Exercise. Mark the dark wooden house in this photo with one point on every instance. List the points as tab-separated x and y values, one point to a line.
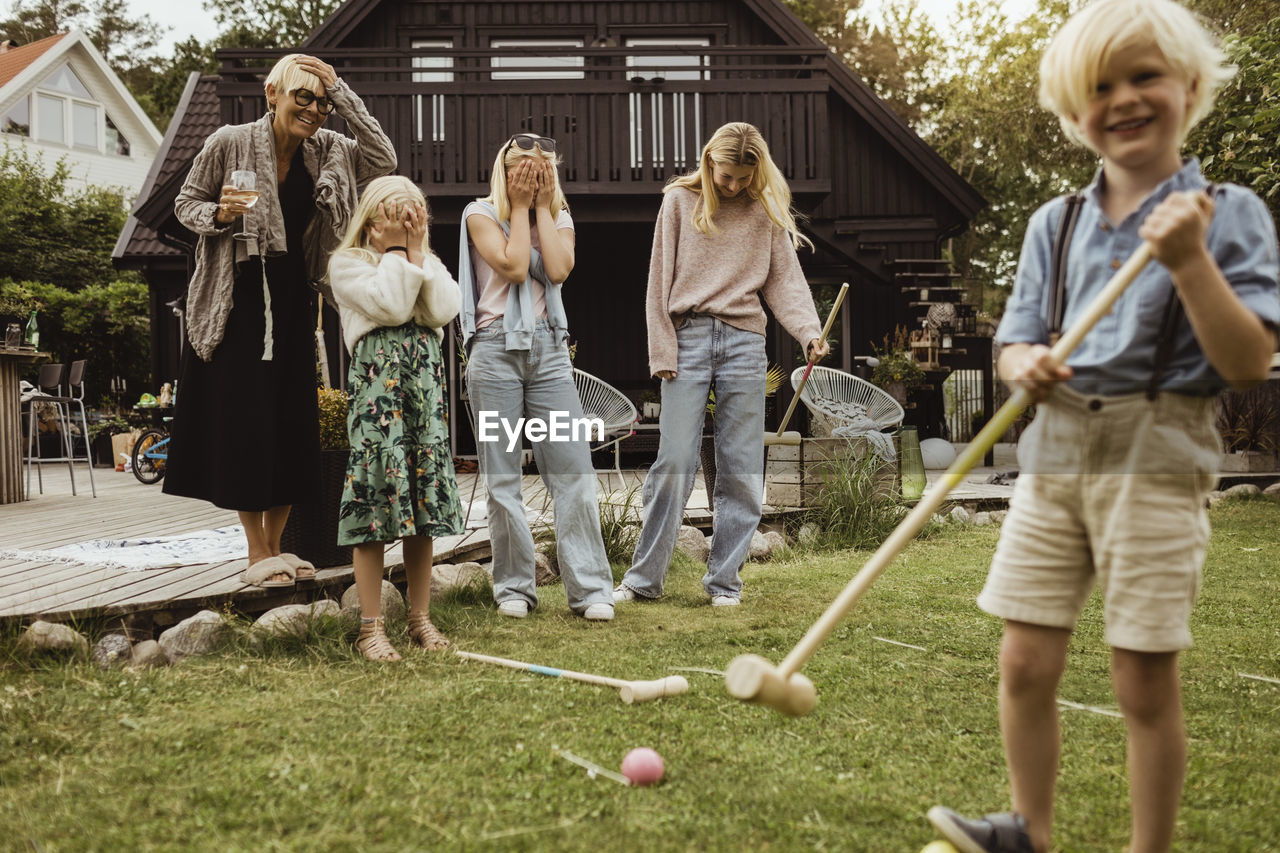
630	90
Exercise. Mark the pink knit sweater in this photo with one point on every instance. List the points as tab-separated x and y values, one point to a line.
723	274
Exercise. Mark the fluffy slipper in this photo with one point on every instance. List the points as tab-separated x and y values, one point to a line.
257	574
303	570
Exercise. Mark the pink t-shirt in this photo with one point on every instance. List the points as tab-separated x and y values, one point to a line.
493	288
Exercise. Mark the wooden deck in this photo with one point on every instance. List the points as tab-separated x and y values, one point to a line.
154	598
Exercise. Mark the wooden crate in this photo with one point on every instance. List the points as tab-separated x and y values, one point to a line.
795	474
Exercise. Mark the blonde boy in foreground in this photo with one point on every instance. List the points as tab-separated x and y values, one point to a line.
1123	448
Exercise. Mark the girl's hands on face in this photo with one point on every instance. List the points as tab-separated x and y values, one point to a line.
546	184
522	183
390	228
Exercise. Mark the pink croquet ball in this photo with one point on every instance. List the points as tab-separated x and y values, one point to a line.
642	765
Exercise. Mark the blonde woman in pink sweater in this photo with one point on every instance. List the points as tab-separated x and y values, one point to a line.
726	237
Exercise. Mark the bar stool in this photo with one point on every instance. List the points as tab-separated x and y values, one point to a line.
75	393
49	385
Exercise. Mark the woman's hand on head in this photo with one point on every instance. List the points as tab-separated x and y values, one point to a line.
328	76
522	183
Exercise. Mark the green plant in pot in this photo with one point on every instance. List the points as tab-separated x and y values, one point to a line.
312	529
898	372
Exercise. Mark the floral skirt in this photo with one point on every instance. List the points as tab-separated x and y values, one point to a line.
400	479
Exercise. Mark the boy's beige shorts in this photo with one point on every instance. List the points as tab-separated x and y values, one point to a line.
1111	491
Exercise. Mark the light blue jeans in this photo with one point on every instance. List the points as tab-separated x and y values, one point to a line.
732	362
531	384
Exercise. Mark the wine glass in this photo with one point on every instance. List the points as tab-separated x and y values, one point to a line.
245	184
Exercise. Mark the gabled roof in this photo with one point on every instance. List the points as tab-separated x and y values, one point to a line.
194	119
44	57
14	60
848	85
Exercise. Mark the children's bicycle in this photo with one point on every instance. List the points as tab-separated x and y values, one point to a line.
151	455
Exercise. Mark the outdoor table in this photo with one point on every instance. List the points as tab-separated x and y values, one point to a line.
12	362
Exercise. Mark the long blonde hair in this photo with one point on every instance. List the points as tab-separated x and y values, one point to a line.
508	156
740	144
391	191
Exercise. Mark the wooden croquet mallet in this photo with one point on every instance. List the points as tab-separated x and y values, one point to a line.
753	679
793	437
630	691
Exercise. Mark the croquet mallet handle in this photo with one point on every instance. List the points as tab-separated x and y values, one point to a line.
977	448
831	319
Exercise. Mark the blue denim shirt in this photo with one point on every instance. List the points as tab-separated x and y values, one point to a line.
1118	355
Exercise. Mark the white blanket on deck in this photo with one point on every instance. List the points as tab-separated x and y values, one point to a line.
153	552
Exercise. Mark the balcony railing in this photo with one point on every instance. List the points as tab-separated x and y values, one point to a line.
625	119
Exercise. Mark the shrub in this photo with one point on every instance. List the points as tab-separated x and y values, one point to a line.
857	506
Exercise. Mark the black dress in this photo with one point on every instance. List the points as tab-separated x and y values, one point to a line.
246	431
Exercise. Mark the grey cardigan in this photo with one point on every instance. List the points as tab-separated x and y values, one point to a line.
339	166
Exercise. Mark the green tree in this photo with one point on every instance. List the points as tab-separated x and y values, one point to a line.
51	233
268	23
1237	141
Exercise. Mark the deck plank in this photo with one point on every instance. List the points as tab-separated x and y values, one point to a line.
125	508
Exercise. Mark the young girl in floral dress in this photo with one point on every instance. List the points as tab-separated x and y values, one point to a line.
393	296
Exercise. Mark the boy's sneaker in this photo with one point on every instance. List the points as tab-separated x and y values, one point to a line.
724	601
516	608
598	613
1003	832
623	594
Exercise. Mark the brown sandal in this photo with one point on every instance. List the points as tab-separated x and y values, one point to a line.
372	640
425	634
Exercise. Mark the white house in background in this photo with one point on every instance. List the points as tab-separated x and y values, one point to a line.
60	99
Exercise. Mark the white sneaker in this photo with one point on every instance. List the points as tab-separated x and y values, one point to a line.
516	608
724	601
599	613
622	594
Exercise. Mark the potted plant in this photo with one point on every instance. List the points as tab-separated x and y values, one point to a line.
898	372
1249	423
312	529
101	433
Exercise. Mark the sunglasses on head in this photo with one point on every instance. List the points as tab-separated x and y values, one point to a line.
526	141
306	97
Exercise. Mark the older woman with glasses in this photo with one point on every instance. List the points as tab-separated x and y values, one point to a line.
268	201
515	252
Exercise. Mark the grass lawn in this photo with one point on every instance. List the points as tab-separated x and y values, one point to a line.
306	746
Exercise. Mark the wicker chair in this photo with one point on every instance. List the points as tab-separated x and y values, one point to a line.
832	395
601	400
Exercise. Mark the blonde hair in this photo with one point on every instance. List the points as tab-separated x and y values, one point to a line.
391	191
1080	52
740	144
508	156
287	76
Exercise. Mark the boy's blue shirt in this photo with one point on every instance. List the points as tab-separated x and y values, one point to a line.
1118	355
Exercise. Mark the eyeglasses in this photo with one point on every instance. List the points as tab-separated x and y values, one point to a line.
526	141
306	97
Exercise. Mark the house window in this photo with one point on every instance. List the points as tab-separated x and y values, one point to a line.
65	80
554	67
18	119
84	125
431	105
648	116
50	118
116	142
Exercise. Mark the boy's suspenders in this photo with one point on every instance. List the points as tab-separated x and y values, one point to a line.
1058	252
